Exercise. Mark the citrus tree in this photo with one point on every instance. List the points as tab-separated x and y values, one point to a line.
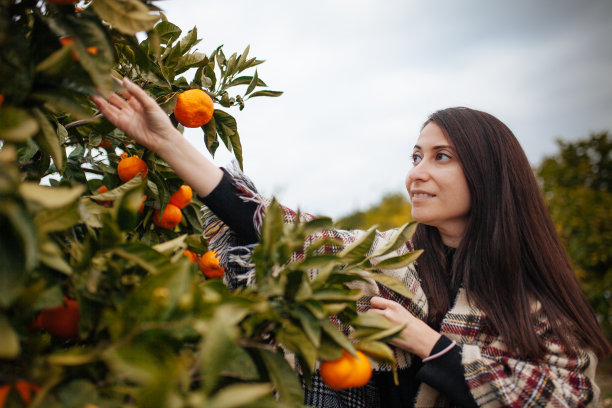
108	293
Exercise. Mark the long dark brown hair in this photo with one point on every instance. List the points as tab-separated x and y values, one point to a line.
510	253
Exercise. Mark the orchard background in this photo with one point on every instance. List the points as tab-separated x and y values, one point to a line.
100	305
144	327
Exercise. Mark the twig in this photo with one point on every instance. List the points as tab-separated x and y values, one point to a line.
82	122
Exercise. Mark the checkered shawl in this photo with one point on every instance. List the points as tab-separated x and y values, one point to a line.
495	376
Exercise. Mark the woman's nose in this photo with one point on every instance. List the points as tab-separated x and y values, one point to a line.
420	172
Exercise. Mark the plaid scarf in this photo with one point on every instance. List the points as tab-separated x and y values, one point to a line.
494	375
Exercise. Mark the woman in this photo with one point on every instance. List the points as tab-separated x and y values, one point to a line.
497	317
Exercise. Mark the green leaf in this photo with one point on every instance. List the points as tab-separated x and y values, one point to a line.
127	210
383	335
210	136
56	63
239	395
219	344
169	247
403	234
17	125
57	219
245	80
337	336
18	250
242	59
61	102
189	40
283	377
74	357
9	341
231	65
52	256
163	194
398	261
142	255
336	295
372	320
357	250
49	142
167	32
127	16
392	283
310	324
377	350
253	84
240	364
188	61
294	339
50	197
265	93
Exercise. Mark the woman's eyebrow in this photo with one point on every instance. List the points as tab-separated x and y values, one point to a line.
436	147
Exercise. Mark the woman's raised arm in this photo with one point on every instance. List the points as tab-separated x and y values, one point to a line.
140	117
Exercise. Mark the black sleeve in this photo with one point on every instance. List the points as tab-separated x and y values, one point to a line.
445	374
224	201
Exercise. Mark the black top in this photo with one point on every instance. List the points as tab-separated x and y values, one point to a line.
444	373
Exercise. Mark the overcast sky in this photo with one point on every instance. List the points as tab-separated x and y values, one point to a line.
359	78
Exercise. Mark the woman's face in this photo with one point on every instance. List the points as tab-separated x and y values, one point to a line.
437	186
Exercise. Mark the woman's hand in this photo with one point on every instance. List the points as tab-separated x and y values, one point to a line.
139	116
416	337
142	119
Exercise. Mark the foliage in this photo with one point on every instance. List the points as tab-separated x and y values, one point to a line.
577	183
152	330
392	211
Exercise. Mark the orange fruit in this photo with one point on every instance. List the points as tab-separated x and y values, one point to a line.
62	321
194	108
4	392
347	371
69	40
182	197
1	99
142	204
25	388
104	144
192	256
35	326
104	203
130	166
209	265
170	218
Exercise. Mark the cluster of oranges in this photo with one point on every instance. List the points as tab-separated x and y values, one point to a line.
172	214
208	263
128	168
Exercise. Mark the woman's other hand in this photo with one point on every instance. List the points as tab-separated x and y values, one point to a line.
416	337
138	115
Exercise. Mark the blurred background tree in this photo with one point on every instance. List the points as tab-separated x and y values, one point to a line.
577	184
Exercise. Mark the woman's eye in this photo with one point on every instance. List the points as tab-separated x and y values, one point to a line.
416	158
443	157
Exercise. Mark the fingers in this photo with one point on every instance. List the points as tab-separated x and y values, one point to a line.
118	101
108	110
381	303
139	93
